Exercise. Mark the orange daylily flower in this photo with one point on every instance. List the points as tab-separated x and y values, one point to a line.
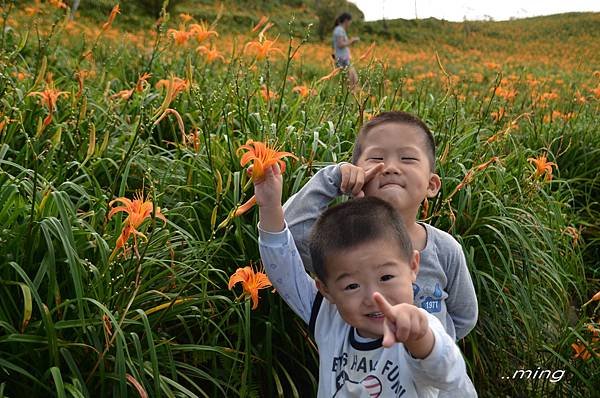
499	114
174	86
21	75
139	87
579	98
137	211
581	351
201	31
211	54
251	281
111	17
542	166
303	91
58	4
506	93
548	96
185	17
49	98
267	94
491	65
262	157
123	94
179	36
30	11
263	49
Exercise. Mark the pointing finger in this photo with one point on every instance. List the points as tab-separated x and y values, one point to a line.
384	306
389	335
373	171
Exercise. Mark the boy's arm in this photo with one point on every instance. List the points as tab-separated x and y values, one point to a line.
462	301
286	272
303	208
444	368
277	250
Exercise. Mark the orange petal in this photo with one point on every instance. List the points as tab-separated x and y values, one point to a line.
240	275
245	207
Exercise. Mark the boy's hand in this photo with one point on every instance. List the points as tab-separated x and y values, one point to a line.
354	178
405	323
267	192
268	189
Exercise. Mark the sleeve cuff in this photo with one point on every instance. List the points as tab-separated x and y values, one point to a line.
274	238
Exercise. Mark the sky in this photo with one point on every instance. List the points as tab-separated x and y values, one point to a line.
471	9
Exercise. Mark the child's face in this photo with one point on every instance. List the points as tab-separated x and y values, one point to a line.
355	274
406	179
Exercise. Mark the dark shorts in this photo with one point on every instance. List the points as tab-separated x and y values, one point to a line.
342	63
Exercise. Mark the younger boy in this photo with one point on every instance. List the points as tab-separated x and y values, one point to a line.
394	159
372	341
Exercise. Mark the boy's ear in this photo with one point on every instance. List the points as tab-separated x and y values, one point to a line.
415	259
323	290
434	185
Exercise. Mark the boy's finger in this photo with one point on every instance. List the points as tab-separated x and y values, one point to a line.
345	177
360	194
373	171
384	306
276	169
389	337
359	182
352	181
249	170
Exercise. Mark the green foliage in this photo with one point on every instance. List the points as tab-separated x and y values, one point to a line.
74	321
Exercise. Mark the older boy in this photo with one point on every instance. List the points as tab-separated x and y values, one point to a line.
394	159
372	341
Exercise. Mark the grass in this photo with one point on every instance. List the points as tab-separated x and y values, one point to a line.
74	322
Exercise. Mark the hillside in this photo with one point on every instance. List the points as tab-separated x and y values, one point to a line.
556	37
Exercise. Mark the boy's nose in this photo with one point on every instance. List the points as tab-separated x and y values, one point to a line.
391	168
367	299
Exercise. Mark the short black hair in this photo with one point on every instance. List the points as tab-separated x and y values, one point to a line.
395	117
345	16
352	223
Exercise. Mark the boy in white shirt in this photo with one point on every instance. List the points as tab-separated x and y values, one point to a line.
372	340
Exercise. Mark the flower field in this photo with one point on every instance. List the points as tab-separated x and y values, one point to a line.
129	262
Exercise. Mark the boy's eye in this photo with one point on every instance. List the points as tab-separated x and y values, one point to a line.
386	277
406	158
351	286
373	158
